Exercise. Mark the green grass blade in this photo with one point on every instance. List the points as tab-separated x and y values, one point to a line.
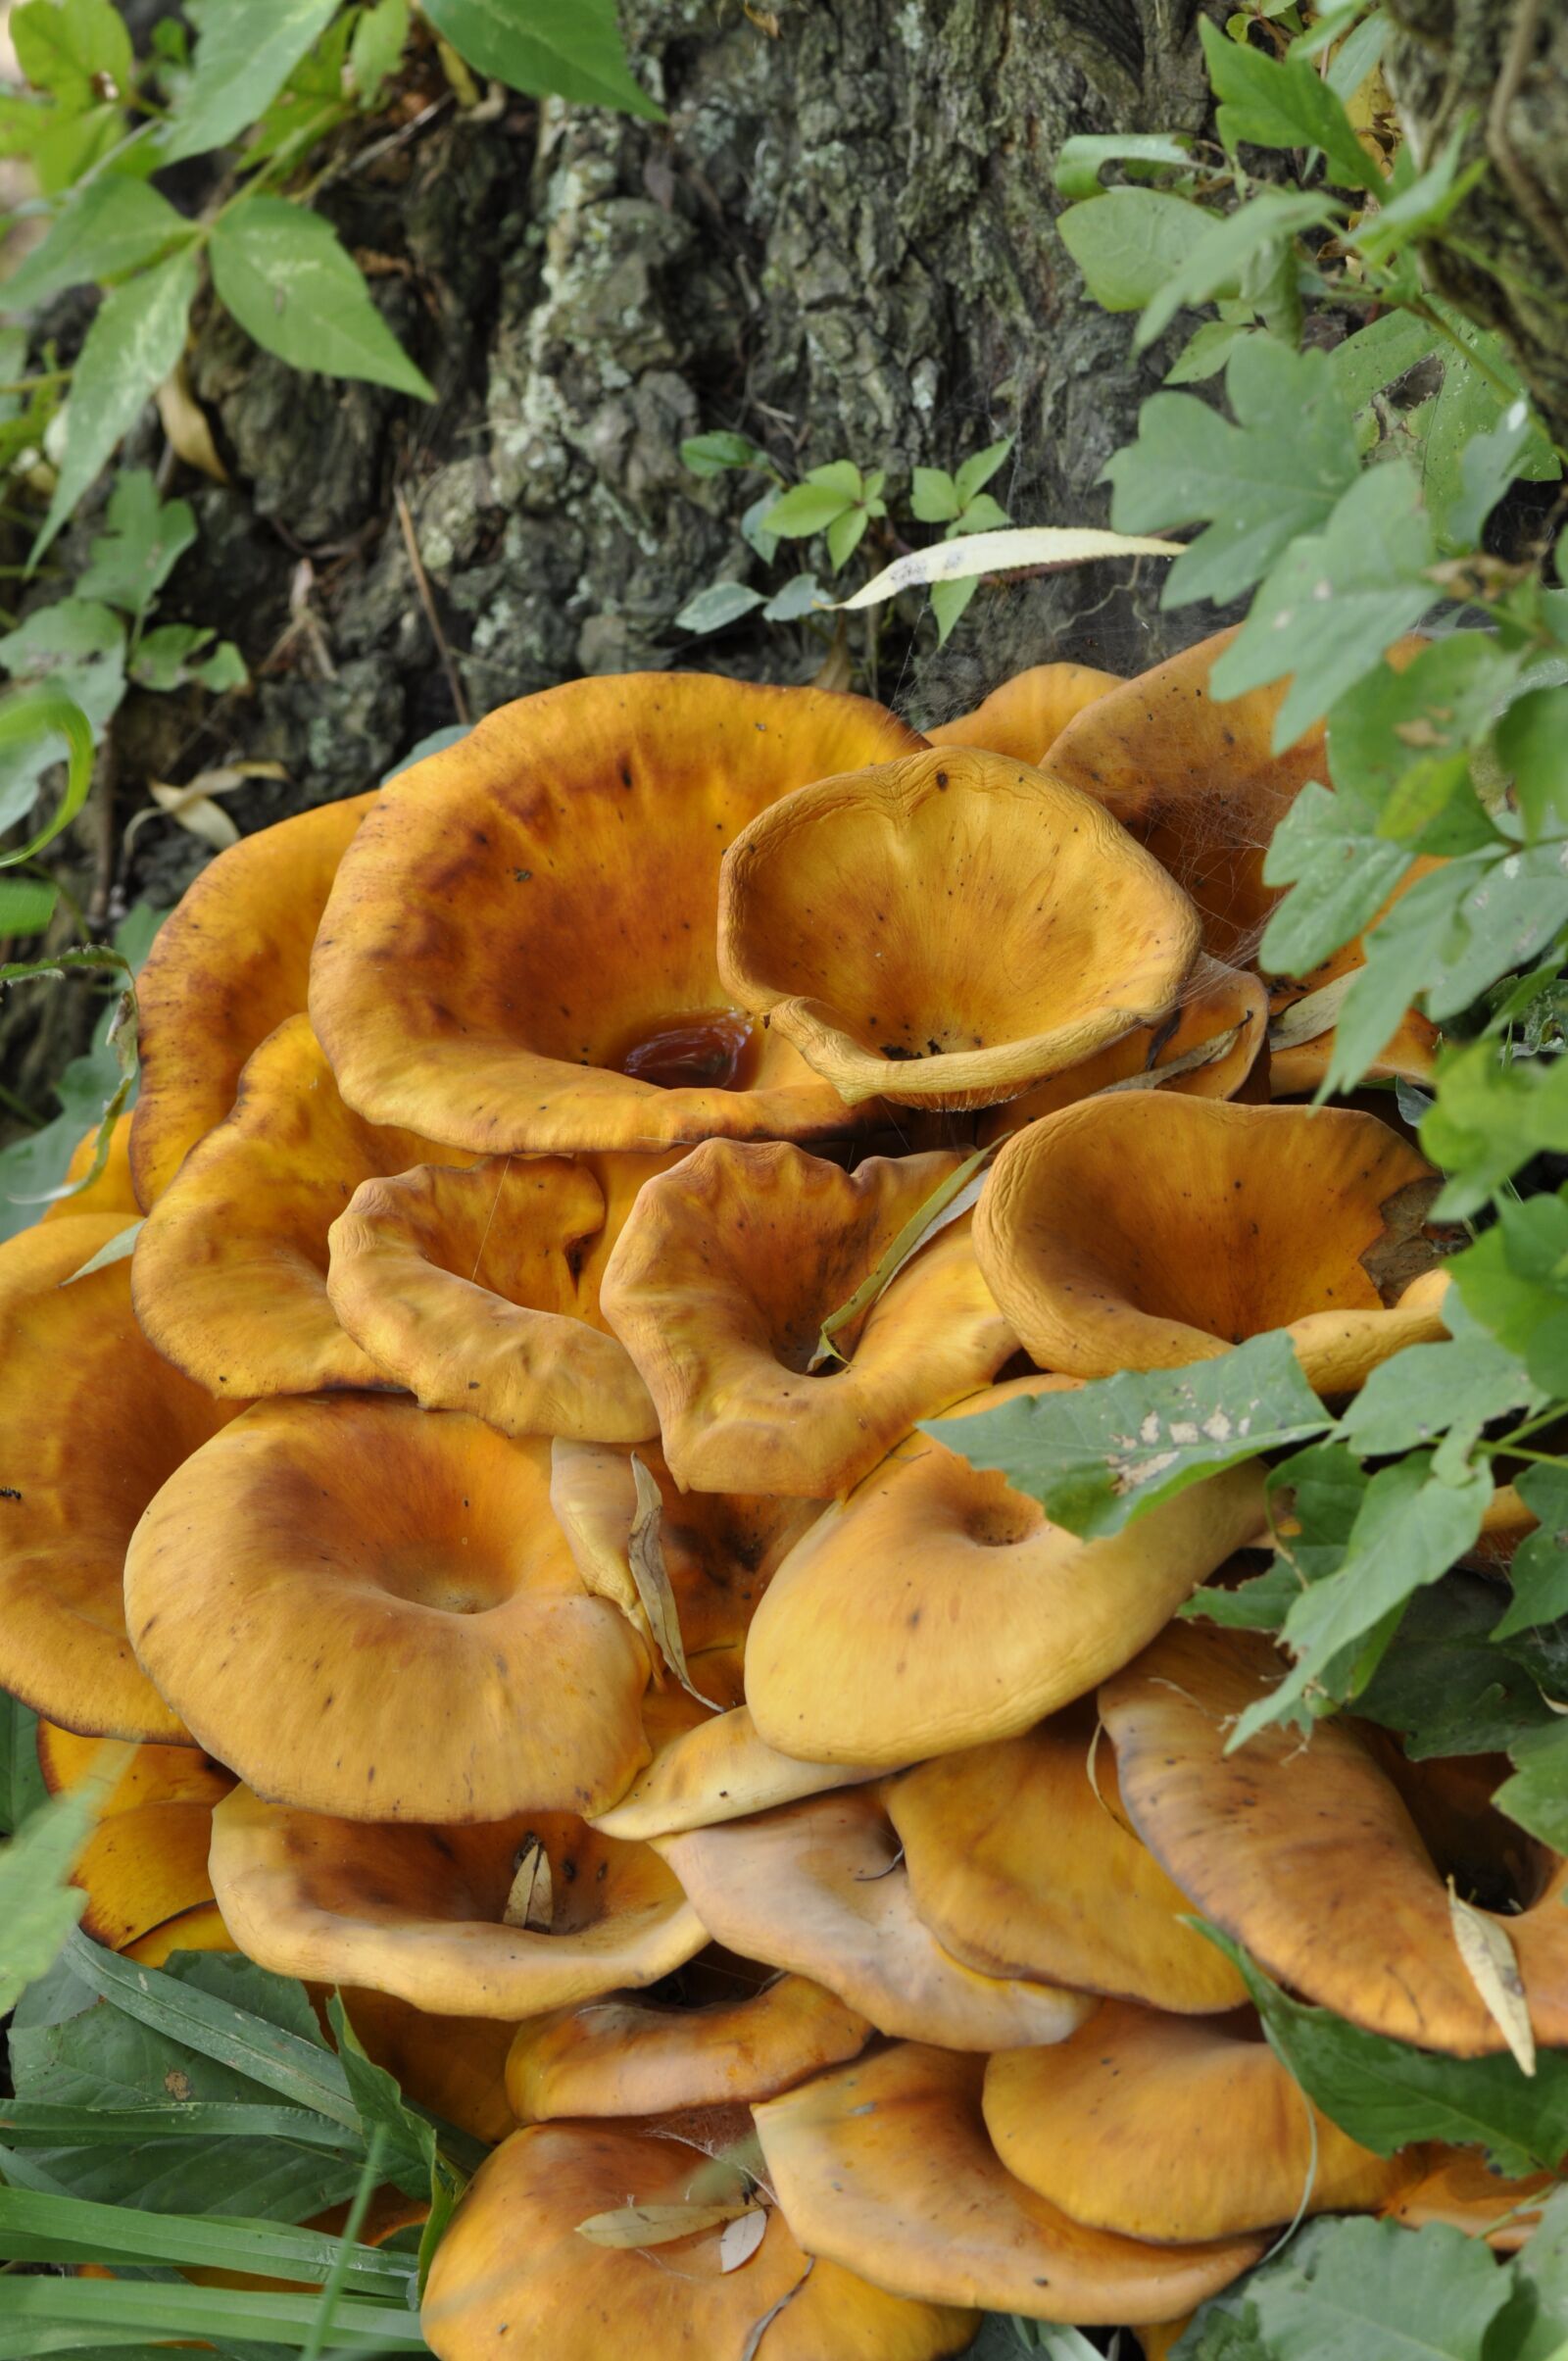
36	2227
39	2124
96	2305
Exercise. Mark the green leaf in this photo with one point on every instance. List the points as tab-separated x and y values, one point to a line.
1081	160
1491	1117
1357	57
161	662
1388	2094
143	541
718	604
809	508
979	467
712	453
1228	248
1489	464
1423	205
1449	1686
77	49
568	48
409	2142
934	496
1280	103
949	599
45	2124
1189	463
186	2312
38	719
376	50
1537	1795
800	595
37	1908
26	904
1381	354
78	648
1427	1390
1107	1454
113	225
245	52
1514	1283
36	2227
22	1787
1369	2287
1326	849
845	535
1206	351
982	514
1429	712
295	289
1531	740
1333	602
1539	1570
132	344
1129	241
1469	405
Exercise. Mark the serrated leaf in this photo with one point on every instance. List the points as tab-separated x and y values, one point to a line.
1045	547
1369	2287
1537	1795
1492	1116
1427	1390
1230	247
568	48
1109	1453
718	605
1341	871
300	294
1274	102
1514	1283
112	226
245	52
1129	241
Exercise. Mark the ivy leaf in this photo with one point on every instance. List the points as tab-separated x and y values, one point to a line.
1388	2094
296	290
1539	1570
144	540
1107	1454
1280	103
132	344
78	50
718	605
1230	247
568	48
1366	2287
245	52
113	225
1537	1795
1128	242
1342	871
1189	464
1333	602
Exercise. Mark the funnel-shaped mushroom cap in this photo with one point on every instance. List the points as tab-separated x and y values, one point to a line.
1027	714
1019	1866
936	1607
949	929
885	2165
518	952
1461	2192
623	2058
428	1646
145	1859
512	2274
1209	1047
1309	1857
718	1770
91	1423
230	1270
719	1549
720	1287
229	964
112	1191
479	1290
1146	1231
1175	2130
420	1913
817	1888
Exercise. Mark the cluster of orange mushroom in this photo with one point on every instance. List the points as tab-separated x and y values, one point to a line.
494	1494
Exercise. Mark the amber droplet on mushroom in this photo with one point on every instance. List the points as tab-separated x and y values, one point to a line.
504	1920
720	1285
91	1423
1027	714
1309	1857
479	1290
1146	1231
514	2274
1020	1865
1176	2129
936	1607
230	1269
885	2164
520	954
226	967
949	929
371	1612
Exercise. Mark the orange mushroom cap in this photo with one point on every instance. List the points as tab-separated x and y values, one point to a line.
225	968
1146	1231
479	1290
519	947
428	1647
624	2058
512	2274
91	1423
936	1607
230	1269
885	2165
947	929
1020	1866
720	1284
112	1191
1027	714
1309	1857
420	1912
456	2066
144	1862
1460	2191
718	1769
817	1888
1176	2129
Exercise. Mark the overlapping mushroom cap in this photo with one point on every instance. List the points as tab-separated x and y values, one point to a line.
1146	1231
431	1651
93	1422
719	1286
518	954
1309	1857
947	929
1027	714
144	1862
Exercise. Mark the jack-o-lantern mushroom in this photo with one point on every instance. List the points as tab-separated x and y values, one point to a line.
111	1192
1309	1857
948	930
479	1290
717	1769
518	951
1148	1231
885	2166
720	1287
144	1862
91	1424
1026	715
937	1608
430	1652
225	969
